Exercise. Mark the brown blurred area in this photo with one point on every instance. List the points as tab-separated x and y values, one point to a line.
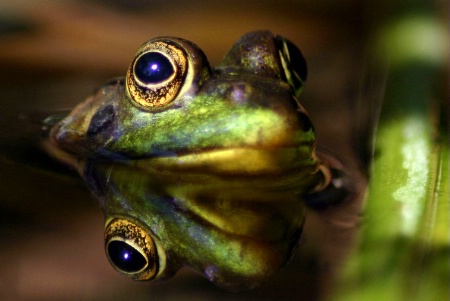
55	53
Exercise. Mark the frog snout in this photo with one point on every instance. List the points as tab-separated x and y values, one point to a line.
80	132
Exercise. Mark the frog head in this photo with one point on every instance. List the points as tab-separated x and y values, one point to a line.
198	166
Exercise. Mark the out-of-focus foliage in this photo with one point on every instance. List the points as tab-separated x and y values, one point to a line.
404	249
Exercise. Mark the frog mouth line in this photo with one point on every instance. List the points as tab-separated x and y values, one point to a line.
232	161
236	159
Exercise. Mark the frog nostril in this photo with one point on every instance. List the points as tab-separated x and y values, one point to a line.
102	121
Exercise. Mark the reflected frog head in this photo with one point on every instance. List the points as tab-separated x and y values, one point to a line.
198	166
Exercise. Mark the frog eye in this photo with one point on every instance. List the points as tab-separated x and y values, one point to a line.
293	63
156	74
131	250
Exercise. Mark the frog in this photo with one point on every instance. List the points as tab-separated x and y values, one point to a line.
198	166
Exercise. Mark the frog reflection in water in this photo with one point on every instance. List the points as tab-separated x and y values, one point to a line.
198	166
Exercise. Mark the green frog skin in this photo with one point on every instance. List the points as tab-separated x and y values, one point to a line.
196	166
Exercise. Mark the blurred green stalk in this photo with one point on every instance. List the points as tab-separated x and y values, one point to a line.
403	251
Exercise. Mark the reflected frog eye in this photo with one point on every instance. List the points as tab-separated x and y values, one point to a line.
156	74
131	250
293	62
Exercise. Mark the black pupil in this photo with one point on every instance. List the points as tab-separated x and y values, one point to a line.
153	68
125	257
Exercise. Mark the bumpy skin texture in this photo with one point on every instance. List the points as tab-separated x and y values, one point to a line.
216	175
